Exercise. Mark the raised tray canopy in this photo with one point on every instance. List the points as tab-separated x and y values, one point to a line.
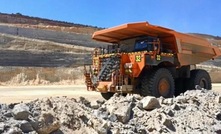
188	48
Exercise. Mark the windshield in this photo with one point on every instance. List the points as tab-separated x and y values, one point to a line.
137	44
140	45
143	45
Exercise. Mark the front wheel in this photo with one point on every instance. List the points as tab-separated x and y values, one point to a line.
158	83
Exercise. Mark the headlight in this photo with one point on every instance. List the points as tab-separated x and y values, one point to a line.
128	68
128	65
128	71
95	70
96	62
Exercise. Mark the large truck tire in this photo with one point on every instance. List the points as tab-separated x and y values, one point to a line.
107	95
158	83
199	77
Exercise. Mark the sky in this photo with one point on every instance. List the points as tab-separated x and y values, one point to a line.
188	16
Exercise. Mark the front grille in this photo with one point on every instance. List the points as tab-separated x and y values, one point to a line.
108	66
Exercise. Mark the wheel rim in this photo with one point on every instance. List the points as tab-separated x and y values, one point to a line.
164	87
203	83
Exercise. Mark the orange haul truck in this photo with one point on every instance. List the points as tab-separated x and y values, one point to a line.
148	60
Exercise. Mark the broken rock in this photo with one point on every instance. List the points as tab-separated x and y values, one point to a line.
101	114
2	127
103	128
168	123
94	104
20	112
218	99
175	107
169	112
14	130
8	114
123	113
197	87
168	101
218	116
26	127
181	99
112	117
47	124
150	103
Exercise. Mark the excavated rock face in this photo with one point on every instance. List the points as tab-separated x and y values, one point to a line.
196	111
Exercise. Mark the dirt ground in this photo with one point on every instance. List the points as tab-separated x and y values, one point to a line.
15	94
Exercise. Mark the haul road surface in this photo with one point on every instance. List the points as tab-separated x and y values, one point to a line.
14	94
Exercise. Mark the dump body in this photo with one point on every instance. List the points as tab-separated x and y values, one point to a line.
188	48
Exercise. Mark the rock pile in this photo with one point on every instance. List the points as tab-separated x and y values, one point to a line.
196	111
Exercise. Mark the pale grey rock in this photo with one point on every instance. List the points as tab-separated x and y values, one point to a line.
123	113
14	130
2	127
150	103
112	117
115	131
168	101
94	104
181	99
218	99
100	114
20	112
197	87
103	129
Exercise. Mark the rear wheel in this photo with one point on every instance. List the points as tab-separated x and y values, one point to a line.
158	83
107	95
199	77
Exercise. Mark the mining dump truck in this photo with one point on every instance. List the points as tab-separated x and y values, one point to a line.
148	60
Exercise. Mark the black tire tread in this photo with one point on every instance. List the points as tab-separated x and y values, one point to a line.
148	81
195	75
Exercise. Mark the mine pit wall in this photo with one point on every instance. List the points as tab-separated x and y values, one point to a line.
63	75
41	76
55	36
